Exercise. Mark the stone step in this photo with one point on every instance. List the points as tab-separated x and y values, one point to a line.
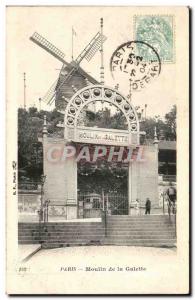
109	225
124	233
61	233
140	221
141	218
134	234
167	244
61	224
124	241
109	232
133	243
62	230
143	223
76	241
57	245
137	227
91	237
111	238
121	230
28	242
138	217
134	237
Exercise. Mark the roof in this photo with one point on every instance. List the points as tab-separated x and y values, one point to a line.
167	145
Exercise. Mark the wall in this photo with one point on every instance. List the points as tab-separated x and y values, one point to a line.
60	187
61	181
143	178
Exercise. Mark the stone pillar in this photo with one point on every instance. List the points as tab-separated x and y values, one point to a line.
133	180
61	177
44	142
70	167
148	176
54	169
143	177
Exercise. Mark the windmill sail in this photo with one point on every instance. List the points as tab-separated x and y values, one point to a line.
95	47
67	77
49	47
91	48
50	93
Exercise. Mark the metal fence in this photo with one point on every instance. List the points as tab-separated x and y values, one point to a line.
29	185
91	205
117	204
170	178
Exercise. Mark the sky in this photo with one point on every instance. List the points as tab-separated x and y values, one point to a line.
55	24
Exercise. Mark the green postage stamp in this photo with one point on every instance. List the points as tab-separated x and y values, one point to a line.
158	32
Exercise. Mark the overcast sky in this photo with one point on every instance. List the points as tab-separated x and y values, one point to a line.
55	23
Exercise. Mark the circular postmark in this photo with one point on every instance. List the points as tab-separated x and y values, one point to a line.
137	62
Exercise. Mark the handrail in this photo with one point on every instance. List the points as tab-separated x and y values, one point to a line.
172	208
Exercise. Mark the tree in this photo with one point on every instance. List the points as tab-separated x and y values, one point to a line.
166	126
30	124
170	119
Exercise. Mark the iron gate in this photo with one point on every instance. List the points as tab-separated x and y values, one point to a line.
91	205
117	204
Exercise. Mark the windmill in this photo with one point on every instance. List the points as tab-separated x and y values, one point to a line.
68	69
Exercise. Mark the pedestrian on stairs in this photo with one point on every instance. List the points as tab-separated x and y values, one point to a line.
171	192
148	206
137	207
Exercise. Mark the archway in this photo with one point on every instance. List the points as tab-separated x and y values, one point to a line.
92	136
105	94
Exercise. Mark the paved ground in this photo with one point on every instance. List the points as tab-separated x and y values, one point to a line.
103	256
24	251
105	268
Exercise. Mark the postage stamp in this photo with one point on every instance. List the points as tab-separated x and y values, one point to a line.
158	31
97	178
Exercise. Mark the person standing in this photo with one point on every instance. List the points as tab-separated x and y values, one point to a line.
171	193
148	206
137	207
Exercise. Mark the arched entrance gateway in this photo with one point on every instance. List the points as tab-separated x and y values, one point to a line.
61	155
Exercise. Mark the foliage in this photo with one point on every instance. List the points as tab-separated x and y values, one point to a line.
171	121
166	127
104	119
30	123
104	177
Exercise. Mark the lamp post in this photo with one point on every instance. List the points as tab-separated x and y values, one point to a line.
145	110
40	104
43	178
24	79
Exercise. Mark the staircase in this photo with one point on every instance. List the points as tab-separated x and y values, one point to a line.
150	230
153	230
52	235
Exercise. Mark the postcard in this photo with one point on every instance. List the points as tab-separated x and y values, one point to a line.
97	150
